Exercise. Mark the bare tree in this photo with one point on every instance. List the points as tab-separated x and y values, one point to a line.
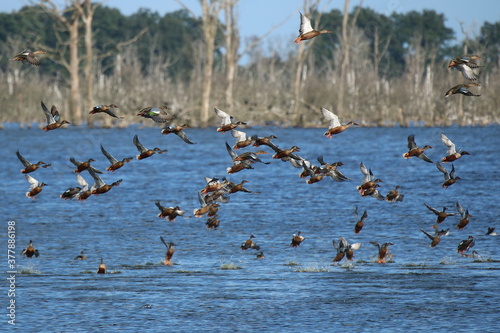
300	69
86	10
232	39
345	41
71	25
232	43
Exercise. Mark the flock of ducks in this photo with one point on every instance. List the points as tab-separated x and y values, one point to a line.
217	191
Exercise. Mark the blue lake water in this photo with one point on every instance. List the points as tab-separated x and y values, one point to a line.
292	289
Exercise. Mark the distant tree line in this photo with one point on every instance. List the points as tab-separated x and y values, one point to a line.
170	50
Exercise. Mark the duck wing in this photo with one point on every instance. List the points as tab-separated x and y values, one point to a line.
432	209
110	157
411	142
226	118
231	152
24	161
33	182
138	144
98	180
184	137
425	158
443	170
305	24
368	174
448	143
82	182
48	114
331	117
55	113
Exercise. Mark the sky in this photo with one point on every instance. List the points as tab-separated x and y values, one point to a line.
258	17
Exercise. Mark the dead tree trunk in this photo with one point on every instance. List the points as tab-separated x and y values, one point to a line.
210	22
87	10
345	66
232	45
71	25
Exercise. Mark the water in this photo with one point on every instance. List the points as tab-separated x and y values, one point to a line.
421	289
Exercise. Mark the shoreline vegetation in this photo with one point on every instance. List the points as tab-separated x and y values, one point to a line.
385	74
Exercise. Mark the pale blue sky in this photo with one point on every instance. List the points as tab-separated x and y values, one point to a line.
259	16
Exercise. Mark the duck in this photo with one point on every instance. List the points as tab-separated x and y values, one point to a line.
70	193
297	239
85	192
100	187
373	192
170	252
436	238
349	250
464	217
215	184
81	256
343	245
260	255
238	165
473	254
467	66
449	177
178	130
144	152
158	113
217	196
53	118
306	31
340	246
30	167
170	213
115	164
81	166
383	251
314	177
102	267
251	156
442	232
209	209
35	187
334	127
285	154
369	183
250	244
28	56
465	245
308	170
414	150
265	140
242	139
233	188
331	169
212	223
30	251
105	109
394	195
451	154
228	122
360	221
462	89
441	215
491	231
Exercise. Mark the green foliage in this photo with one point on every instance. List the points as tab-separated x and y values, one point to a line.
490	38
173	37
428	26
